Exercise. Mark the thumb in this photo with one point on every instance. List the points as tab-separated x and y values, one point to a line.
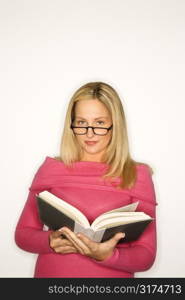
115	239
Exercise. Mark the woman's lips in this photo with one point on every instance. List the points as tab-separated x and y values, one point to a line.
90	143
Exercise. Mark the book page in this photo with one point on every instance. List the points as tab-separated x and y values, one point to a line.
107	223
129	207
114	215
95	236
65	207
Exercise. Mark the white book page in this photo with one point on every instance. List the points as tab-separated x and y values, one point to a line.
114	215
65	207
129	207
94	235
121	220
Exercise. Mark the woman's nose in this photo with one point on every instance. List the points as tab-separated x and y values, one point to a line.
90	132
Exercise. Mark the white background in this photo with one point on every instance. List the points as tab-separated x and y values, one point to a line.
48	49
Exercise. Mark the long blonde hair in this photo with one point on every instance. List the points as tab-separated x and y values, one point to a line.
117	155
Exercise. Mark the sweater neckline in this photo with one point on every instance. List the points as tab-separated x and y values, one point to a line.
84	162
90	162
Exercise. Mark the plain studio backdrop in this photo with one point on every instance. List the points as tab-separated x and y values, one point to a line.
48	49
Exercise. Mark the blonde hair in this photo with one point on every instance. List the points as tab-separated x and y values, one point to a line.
117	155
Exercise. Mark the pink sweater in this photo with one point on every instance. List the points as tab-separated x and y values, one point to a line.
83	188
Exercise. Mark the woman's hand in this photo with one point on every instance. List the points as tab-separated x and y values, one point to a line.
60	244
98	251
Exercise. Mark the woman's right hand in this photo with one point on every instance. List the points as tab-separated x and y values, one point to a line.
60	244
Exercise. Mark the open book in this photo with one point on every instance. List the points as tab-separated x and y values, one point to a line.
56	213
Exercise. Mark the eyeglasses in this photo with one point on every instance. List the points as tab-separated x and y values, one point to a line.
96	130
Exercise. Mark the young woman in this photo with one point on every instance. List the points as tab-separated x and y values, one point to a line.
95	173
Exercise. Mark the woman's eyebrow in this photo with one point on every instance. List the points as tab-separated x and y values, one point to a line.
94	119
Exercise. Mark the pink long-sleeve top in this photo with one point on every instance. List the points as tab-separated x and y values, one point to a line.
84	188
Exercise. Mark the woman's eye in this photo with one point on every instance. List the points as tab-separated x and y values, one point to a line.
80	122
83	122
100	122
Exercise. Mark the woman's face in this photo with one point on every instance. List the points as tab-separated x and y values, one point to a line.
92	113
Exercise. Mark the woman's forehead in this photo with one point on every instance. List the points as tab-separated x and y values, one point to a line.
91	107
97	118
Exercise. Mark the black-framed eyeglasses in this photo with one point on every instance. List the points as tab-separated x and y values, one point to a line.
96	130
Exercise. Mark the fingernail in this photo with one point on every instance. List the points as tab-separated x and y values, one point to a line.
78	235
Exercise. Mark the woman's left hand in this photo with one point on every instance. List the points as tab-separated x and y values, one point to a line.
98	251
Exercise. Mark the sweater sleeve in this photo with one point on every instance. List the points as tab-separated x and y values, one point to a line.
139	255
29	233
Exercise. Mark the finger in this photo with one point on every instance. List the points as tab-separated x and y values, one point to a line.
62	242
66	242
73	241
66	249
58	241
83	249
88	242
56	234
